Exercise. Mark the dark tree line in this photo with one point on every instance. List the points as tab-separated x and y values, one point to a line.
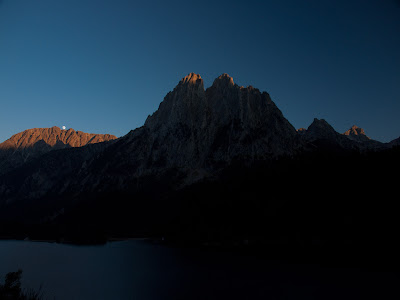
11	289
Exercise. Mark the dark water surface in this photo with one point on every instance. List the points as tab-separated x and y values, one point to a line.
141	270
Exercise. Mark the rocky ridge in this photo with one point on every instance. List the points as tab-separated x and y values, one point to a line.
321	131
32	143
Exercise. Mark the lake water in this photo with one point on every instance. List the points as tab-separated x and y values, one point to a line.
141	270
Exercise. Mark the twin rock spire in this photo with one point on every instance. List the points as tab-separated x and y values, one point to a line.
193	78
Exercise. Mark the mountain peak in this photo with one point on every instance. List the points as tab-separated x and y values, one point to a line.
357	134
191	78
355	130
320	129
320	123
224	79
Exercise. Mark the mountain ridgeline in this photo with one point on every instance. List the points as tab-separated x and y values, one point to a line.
219	164
32	143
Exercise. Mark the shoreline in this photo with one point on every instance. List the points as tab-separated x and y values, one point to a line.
71	242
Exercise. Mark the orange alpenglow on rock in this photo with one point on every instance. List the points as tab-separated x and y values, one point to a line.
32	143
357	134
53	136
191	78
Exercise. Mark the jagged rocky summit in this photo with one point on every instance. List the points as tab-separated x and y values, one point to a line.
356	133
197	127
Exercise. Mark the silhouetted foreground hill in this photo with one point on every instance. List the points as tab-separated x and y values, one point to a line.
222	166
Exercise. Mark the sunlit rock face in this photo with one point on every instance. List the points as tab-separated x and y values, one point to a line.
357	134
53	137
301	131
32	143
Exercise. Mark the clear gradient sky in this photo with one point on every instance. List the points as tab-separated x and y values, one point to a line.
103	66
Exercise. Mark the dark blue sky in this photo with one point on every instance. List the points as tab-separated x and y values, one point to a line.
103	66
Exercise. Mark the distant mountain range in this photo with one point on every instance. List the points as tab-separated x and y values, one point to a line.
199	166
32	143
